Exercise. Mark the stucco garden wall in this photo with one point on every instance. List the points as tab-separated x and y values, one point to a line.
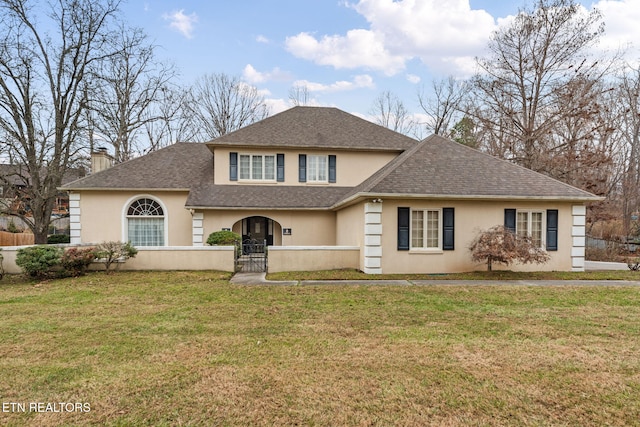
310	258
161	258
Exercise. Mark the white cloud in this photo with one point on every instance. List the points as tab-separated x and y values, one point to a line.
412	78
180	22
254	76
359	82
621	25
358	48
399	31
262	39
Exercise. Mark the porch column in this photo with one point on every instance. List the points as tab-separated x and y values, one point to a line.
75	226
197	229
373	238
578	235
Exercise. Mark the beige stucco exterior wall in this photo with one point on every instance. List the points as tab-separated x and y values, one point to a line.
102	215
351	167
470	218
309	258
315	228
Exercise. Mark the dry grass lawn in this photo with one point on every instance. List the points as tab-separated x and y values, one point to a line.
188	348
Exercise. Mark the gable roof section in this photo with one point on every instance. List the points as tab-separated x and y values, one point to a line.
316	128
177	166
440	167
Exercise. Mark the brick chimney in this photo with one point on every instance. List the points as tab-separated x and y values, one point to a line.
100	160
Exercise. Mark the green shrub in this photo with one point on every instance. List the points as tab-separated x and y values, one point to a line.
39	261
223	238
55	239
110	252
76	260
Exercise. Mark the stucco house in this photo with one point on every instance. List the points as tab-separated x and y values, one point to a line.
325	188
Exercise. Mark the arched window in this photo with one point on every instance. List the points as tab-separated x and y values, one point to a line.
145	223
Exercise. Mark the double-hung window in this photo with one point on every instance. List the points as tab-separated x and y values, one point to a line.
425	229
317	168
529	223
257	167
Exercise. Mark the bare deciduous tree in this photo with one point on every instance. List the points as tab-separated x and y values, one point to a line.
520	94
220	104
299	95
126	87
45	55
444	106
389	111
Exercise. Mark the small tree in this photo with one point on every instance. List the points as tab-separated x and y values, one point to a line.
110	252
501	245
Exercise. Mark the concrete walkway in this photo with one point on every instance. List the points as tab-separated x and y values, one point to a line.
260	279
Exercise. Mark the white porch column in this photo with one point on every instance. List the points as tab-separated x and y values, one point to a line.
373	238
197	229
578	236
75	227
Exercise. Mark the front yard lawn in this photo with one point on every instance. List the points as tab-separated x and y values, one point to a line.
189	348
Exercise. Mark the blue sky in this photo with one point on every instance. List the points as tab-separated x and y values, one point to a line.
346	52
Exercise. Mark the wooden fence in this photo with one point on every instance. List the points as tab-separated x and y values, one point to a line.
15	239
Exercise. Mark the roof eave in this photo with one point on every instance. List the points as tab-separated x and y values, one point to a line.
475	197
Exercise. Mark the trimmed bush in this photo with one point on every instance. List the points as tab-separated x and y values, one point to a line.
39	261
55	239
223	238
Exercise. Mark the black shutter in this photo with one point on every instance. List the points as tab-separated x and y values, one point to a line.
403	229
280	167
448	223
510	220
233	166
302	168
552	230
332	168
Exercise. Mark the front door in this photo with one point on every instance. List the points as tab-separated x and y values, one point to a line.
257	228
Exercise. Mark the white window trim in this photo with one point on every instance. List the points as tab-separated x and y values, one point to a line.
125	217
263	155
424	250
326	172
543	224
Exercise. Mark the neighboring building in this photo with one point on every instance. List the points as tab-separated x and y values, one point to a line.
14	179
317	178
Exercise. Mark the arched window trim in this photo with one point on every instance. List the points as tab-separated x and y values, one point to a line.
125	217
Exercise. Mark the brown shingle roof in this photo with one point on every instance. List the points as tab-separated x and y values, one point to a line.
435	167
265	196
178	166
316	127
441	167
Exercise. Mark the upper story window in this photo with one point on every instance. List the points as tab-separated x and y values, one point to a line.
317	168
257	167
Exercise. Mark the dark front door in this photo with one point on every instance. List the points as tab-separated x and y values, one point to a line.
257	228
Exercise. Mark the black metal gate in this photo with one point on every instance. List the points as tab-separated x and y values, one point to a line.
252	258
